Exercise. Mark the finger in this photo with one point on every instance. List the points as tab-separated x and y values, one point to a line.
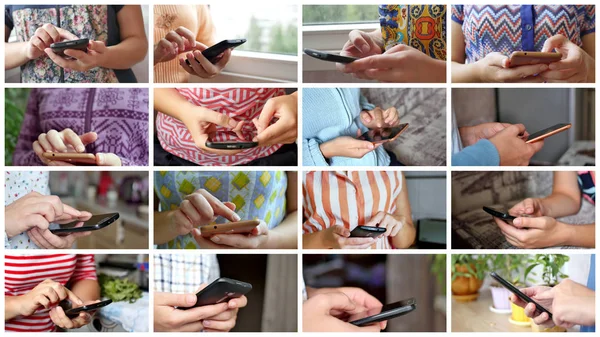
44	36
39	44
224	316
534	222
44	143
562	74
359	241
392	116
187	35
535	147
196	66
52	32
36	220
220	119
52	295
62	318
541	319
56	141
198	313
360	40
236	240
378	117
79	55
336	301
219	325
185	67
88	138
55	240
174	37
83	319
65	34
219	208
36	236
341	231
73	139
521	72
60	61
376	219
183	222
107	159
267	113
208	67
239	302
174	300
195	210
365	117
226	56
273	132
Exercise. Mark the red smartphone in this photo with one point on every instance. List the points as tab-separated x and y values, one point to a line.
235	227
72	158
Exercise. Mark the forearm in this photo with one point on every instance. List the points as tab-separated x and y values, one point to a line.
86	290
580	235
127	53
14	54
558	204
285	235
465	73
172	103
12	307
438	71
406	236
591	75
314	240
163	227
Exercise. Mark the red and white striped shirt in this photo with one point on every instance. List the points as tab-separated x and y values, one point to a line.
242	104
348	199
24	272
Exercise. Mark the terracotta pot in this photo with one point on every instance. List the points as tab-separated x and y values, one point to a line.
465	286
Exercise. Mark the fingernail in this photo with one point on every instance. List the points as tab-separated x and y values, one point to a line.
100	158
529	210
215	239
543	67
232	304
371	146
233	123
206	323
517	221
196	232
364	48
236	217
80	148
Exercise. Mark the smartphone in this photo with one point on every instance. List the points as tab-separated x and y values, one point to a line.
547	132
73	158
383	313
321	55
237	227
384	135
519	294
212	53
500	215
87	308
60	47
366	232
221	290
521	58
223	141
96	222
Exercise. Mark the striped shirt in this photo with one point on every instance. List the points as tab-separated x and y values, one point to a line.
348	199
184	273
25	272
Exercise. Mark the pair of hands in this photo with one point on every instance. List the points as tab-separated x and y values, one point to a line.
570	303
219	317
48	295
33	214
400	63
325	309
284	109
509	140
67	141
44	36
182	40
534	230
575	66
202	208
338	237
346	146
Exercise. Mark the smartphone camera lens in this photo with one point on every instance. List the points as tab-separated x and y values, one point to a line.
215	227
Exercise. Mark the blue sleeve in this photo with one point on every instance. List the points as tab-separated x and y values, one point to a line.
117	8
311	153
482	153
364	105
457	15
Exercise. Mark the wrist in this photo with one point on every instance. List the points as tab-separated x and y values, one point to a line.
478	72
439	73
326	149
565	234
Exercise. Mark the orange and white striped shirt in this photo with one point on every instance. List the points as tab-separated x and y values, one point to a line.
349	199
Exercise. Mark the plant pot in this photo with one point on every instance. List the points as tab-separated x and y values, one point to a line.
538	328
465	289
501	298
518	316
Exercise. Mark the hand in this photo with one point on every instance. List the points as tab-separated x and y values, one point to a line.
536	232
470	135
346	146
572	304
512	149
226	320
200	65
575	66
530	206
400	63
34	210
377	118
58	316
43	238
43	37
318	314
538	294
45	295
200	122
338	237
254	240
81	61
67	141
175	42
494	67
391	222
198	209
361	44
285	129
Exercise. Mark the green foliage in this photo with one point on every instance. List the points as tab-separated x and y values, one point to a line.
438	269
119	289
551	266
330	14
282	39
15	101
509	266
476	266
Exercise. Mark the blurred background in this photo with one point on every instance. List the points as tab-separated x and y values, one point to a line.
427	195
390	278
537	109
15	101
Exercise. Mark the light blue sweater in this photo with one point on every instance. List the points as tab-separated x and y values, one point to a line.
328	113
482	153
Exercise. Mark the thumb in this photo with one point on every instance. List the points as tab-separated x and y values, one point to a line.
497	59
515	129
230	205
361	144
88	138
175	300
217	118
337	301
107	159
97	46
66	35
553	42
342	231
73	298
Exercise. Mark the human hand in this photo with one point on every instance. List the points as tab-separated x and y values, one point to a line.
575	66
494	67
201	122
45	295
175	42
540	295
361	44
318	314
43	37
338	237
257	238
572	304
535	232
45	239
67	141
226	320
391	222
198	209
400	63
346	146
200	65
285	129
512	149
378	118
470	135
97	53
530	206
60	318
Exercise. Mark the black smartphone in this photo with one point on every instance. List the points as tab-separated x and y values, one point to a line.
221	290
383	313
212	52
547	132
321	55
223	141
94	223
60	47
90	307
500	215
366	232
519	294
384	135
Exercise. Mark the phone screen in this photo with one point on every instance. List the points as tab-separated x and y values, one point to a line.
94	221
383	134
546	130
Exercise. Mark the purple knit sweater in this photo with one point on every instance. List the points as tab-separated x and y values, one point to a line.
118	116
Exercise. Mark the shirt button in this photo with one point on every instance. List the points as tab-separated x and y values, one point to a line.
528	27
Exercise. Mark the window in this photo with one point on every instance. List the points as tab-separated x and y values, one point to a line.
269	28
338	14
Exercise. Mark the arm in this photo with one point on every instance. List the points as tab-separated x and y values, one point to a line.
14	53
461	72
285	235
315	240
12	307
589	46
406	235
311	153
565	198
134	44
86	290
482	153
171	103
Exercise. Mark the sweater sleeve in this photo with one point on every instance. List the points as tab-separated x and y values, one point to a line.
482	153
311	153
30	131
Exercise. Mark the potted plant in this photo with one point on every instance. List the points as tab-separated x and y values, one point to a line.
551	275
510	267
468	272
